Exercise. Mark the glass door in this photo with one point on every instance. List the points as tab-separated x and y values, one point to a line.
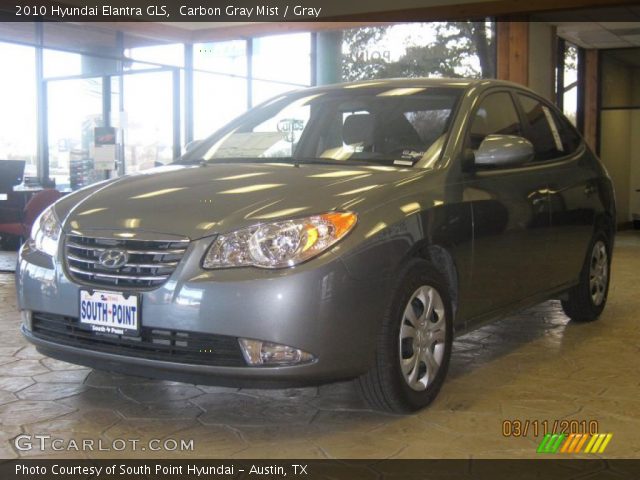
147	119
71	130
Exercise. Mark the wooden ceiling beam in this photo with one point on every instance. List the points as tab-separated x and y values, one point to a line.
273	28
163	33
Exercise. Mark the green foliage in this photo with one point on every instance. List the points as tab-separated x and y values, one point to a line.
451	53
355	66
571	57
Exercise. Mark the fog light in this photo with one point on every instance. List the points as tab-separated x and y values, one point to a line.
257	352
27	319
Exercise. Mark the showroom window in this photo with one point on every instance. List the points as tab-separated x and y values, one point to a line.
217	100
280	63
167	54
435	49
18	140
219	85
569	81
137	87
58	63
231	76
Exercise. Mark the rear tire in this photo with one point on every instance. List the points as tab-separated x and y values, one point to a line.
586	300
414	344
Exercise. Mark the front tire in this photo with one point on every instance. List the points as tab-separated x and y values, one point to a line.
414	344
586	300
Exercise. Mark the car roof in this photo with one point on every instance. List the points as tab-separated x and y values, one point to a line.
463	83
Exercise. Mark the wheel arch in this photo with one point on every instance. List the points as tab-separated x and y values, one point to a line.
606	224
439	258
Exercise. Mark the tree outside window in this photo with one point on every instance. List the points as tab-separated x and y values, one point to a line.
439	49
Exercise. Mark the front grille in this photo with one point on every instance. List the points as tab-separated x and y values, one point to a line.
150	262
153	343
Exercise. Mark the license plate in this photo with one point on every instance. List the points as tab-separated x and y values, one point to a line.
110	312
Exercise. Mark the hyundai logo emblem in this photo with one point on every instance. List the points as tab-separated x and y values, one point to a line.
113	258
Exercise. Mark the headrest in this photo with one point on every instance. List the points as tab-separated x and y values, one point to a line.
358	129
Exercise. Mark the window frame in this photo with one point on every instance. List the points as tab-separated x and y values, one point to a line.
469	164
557	115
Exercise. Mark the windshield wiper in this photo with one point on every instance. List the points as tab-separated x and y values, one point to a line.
288	160
349	161
191	161
214	160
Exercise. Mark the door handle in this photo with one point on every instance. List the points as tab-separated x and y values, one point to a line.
590	190
539	197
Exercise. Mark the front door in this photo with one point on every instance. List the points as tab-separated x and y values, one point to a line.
511	219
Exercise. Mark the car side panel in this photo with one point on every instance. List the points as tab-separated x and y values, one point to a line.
580	195
511	226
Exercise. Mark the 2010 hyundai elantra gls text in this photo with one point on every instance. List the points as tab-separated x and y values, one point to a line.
341	232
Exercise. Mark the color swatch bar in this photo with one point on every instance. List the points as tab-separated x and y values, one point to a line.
574	443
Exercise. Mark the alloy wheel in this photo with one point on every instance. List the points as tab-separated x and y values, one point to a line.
422	338
598	272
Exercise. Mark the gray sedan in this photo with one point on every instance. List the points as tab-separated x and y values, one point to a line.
332	233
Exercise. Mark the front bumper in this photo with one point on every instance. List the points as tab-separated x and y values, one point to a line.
248	377
317	307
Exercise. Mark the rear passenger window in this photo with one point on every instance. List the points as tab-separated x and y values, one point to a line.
544	130
495	116
571	139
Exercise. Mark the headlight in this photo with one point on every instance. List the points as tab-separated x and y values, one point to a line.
45	233
279	244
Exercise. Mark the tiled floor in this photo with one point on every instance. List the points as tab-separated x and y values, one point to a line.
8	261
534	365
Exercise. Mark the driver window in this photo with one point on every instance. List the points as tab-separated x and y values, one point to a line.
496	116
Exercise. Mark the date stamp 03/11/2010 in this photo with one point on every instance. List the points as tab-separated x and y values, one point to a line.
534	428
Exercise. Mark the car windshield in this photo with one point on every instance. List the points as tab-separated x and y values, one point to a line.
405	127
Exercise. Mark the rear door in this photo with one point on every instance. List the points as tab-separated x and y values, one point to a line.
573	188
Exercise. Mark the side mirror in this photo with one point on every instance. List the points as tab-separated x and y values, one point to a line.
192	145
503	151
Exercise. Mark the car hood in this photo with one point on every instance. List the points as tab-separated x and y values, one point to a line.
197	201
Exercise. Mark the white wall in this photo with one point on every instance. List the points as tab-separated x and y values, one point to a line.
614	153
541	61
620	134
634	149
